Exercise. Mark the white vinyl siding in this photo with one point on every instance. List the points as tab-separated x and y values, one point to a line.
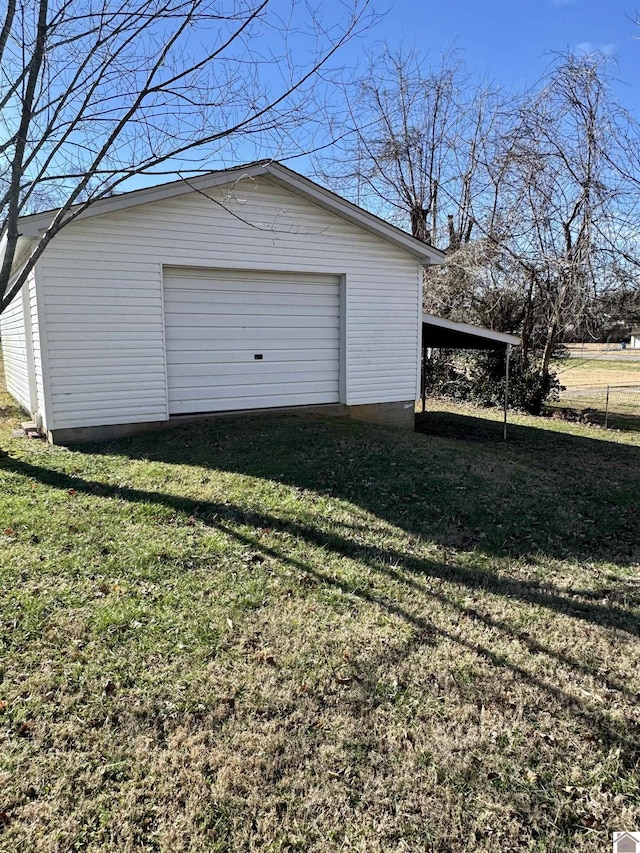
101	280
218	321
14	351
38	376
105	346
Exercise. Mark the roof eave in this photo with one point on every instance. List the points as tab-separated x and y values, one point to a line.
425	254
35	224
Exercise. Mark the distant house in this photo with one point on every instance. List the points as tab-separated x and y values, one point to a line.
635	339
249	288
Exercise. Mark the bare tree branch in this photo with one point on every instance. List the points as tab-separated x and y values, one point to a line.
106	92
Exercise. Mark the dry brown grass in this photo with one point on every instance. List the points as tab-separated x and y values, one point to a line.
586	380
592	350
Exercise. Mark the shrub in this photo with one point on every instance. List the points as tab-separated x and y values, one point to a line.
477	376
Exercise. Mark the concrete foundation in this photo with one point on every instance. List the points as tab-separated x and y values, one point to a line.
400	415
109	432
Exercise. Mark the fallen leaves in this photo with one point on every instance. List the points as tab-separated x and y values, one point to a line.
25	729
591	822
326	684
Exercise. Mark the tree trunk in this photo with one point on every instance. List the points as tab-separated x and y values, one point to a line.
552	332
526	322
419	224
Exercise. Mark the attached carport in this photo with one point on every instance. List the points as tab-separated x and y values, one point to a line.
438	333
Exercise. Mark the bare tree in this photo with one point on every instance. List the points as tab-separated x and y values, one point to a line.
93	92
535	198
414	140
556	222
568	212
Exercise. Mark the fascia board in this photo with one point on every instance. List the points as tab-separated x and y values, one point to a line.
352	213
34	225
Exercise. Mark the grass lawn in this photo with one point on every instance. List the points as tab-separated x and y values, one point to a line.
586	380
304	634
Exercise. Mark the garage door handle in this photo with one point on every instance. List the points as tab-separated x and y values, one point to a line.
258	356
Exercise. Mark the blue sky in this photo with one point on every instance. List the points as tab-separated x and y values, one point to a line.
510	40
506	41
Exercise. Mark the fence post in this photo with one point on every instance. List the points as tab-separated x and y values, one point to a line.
507	356
606	411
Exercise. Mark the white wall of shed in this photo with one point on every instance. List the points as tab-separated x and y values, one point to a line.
38	362
14	351
21	348
101	311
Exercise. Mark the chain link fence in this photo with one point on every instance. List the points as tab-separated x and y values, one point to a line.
612	406
602	385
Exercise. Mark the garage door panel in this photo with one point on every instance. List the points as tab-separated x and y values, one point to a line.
200	278
282	291
258	389
229	313
230	310
239	368
183	301
199	338
215	329
250	320
231	377
237	403
182	360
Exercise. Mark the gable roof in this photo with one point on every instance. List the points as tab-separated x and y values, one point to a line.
34	224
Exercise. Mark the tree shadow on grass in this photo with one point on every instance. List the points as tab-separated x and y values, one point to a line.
583	489
234	521
341	541
541	493
245	525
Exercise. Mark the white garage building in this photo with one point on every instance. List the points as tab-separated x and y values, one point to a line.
251	288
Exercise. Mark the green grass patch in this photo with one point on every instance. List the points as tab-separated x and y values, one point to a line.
298	633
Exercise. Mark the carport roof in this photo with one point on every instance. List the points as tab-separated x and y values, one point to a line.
438	332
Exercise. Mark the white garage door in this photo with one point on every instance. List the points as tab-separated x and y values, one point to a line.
244	340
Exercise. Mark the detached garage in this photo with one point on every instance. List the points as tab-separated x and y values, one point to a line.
251	288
